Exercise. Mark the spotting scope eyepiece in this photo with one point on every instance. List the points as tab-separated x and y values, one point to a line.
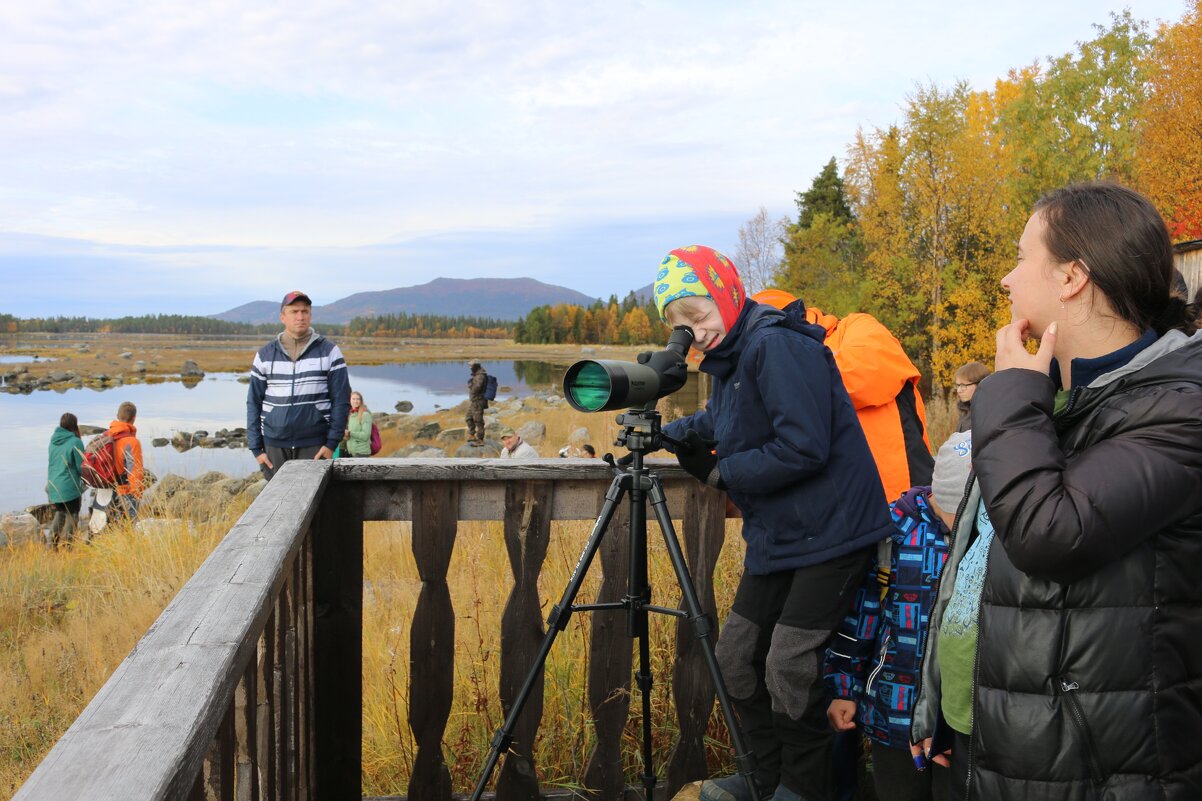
596	385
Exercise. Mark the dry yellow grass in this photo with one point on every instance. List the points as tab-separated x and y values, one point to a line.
67	619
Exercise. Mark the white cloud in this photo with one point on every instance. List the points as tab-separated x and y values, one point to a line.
337	124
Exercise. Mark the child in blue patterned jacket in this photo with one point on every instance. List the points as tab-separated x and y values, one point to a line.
872	665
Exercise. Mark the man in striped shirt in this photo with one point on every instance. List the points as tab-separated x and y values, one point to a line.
299	395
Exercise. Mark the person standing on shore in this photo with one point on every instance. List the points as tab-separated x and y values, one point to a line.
128	452
299	396
64	482
476	404
358	428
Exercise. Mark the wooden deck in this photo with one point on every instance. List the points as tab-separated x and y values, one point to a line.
249	685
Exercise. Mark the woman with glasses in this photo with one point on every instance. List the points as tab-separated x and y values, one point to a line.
967	378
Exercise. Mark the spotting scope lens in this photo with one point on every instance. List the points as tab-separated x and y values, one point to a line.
596	385
588	386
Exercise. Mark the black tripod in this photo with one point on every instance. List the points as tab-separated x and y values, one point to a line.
641	435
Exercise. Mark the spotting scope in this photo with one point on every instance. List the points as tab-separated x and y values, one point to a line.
596	385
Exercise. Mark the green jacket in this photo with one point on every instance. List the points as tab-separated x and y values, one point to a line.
359	439
63	482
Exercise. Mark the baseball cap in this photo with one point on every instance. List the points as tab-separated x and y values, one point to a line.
293	297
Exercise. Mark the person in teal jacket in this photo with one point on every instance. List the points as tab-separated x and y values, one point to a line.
64	484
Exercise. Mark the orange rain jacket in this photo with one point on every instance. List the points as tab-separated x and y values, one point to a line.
129	457
883	385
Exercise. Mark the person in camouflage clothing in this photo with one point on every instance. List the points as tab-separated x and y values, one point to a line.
476	404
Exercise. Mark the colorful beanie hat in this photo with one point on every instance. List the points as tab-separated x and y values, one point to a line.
701	272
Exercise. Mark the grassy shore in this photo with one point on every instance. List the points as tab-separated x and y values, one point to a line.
164	355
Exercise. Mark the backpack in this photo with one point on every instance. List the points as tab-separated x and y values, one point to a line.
100	466
490	388
375	440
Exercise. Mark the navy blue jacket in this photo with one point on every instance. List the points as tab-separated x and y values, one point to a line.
297	404
790	449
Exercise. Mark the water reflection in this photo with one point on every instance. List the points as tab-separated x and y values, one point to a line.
216	402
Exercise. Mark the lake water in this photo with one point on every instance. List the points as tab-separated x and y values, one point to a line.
219	401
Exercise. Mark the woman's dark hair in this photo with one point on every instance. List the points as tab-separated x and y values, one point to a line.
1122	240
69	422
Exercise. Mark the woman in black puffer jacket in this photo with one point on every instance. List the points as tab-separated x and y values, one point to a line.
1084	525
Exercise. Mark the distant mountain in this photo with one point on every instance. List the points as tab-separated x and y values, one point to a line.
498	298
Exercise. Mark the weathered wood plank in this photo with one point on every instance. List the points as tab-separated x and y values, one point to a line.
692	687
265	716
146	732
338	640
308	774
279	698
291	683
218	768
610	657
432	639
485	500
246	786
527	534
452	469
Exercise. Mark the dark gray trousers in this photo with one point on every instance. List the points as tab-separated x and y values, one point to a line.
277	457
770	652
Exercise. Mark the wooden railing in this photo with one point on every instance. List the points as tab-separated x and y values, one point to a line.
249	685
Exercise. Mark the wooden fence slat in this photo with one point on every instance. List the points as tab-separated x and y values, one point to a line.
246	767
308	770
432	640
291	682
704	530
610	658
527	533
279	698
338	643
218	770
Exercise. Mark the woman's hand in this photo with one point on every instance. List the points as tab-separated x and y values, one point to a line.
842	714
1012	348
924	749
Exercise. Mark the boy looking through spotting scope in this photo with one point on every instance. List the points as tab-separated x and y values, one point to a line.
780	436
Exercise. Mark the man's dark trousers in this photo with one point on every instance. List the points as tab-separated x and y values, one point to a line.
277	456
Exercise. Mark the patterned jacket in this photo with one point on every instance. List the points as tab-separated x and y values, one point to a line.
297	404
876	655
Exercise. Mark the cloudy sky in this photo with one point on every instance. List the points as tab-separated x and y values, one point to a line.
190	157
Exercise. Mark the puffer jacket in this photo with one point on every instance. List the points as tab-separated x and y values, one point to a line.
1088	682
790	451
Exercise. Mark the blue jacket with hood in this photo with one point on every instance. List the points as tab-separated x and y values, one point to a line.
297	404
790	449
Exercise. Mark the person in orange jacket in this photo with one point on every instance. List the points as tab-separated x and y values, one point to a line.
883	385
129	460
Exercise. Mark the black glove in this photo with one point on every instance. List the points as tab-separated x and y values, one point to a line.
696	455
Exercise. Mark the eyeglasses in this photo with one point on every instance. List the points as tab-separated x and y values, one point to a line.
965	386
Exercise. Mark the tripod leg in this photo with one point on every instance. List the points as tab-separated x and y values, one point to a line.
703	627
557	621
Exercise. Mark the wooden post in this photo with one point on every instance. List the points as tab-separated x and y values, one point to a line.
692	687
610	655
432	637
338	641
527	533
